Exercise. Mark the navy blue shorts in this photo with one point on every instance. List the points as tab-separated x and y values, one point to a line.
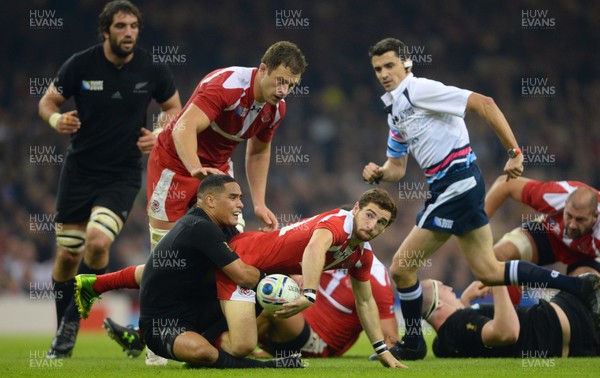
456	204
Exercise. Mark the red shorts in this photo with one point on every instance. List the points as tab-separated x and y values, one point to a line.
170	194
227	290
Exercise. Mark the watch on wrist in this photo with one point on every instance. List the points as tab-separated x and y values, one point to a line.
513	152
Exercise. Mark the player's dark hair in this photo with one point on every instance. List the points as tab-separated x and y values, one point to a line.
110	9
389	44
287	54
381	198
214	183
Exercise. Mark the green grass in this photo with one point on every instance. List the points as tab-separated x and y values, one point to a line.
98	356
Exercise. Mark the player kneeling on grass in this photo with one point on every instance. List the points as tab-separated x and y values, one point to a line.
562	327
331	326
337	239
177	298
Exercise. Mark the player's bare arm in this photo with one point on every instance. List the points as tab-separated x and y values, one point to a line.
389	327
242	274
393	170
367	311
504	328
258	156
313	261
192	122
488	110
49	111
169	110
502	189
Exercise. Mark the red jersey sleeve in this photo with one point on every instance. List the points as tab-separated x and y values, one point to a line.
335	224
212	98
548	197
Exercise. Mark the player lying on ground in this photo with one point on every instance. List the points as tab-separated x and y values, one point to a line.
331	326
562	327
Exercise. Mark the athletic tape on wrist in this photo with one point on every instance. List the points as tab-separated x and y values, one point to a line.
380	347
310	294
53	120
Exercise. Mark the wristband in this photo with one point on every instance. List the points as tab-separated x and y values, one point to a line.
310	294
380	347
53	120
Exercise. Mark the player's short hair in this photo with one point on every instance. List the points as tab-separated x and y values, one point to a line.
213	184
381	198
389	44
287	54
110	9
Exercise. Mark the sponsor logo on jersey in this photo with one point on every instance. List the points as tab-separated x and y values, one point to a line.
92	85
139	87
117	96
342	254
241	111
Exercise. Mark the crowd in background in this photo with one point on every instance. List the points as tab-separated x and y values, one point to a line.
540	68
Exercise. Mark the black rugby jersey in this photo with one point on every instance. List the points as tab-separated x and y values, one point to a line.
179	273
112	104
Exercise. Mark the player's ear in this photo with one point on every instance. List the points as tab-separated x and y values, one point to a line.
263	69
210	200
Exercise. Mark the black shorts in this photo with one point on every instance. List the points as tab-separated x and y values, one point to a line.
584	336
545	255
79	192
160	332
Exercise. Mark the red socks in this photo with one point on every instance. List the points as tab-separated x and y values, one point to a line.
122	279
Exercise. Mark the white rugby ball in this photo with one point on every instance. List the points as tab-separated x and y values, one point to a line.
276	289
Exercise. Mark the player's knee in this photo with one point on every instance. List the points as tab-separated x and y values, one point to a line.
97	245
242	349
105	222
69	241
402	273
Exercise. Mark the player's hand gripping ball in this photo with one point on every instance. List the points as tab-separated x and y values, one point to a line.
276	289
